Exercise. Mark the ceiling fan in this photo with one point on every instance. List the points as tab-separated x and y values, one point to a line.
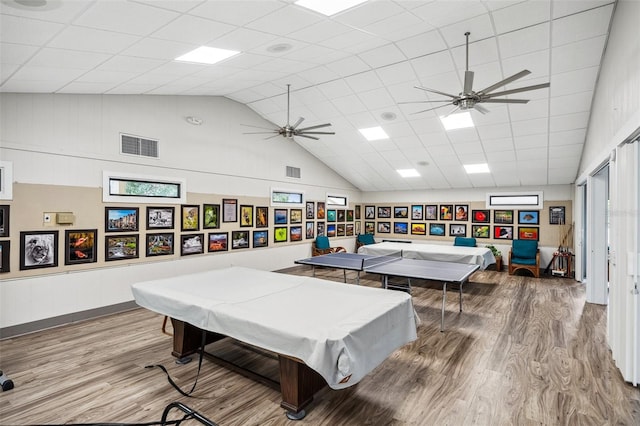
289	131
470	99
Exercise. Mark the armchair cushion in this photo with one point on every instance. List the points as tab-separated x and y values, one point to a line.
466	242
322	243
525	250
366	239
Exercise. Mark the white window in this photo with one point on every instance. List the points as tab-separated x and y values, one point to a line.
125	187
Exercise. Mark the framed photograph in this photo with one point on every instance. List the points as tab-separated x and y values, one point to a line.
80	246
295	216
457	230
357	212
529	217
4	220
462	212
528	233
295	233
349	215
417	212
349	230
280	234
446	211
358	229
401	212
480	216
210	216
341	230
437	229
320	211
239	239
229	210
401	227
331	230
369	212
262	217
191	244
384	227
160	244
5	250
38	249
246	216
121	247
418	229
120	219
320	229
331	216
260	238
160	217
280	216
384	212
480	231
556	215
218	241
341	215
310	230
503	216
431	212
503	232
190	217
310	210
369	227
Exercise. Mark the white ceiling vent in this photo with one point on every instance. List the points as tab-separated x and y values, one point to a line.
134	145
293	172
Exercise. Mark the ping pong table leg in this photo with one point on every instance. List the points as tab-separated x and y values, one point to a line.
314	271
357	278
344	274
460	297
444	302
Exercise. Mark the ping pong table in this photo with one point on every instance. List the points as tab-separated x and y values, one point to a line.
395	265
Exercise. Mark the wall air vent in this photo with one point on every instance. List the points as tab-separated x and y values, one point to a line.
293	172
134	145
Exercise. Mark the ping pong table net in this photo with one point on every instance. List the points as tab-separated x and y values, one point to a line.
382	259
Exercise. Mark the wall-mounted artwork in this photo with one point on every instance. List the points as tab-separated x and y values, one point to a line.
5	251
480	216
418	229
341	215
295	216
401	227
160	217
349	215
295	233
239	239
528	217
280	217
160	244
80	246
280	234
331	230
369	212
4	220
320	210
480	231
401	212
210	216
246	216
191	244
331	216
358	212
437	229
120	219
310	210
190	217
341	230
310	230
38	249
121	247
431	212
503	216
503	232
384	227
369	227
262	217
446	212
349	230
218	241
556	215
528	233
320	229
260	239
462	212
417	212
384	212
229	210
358	229
457	230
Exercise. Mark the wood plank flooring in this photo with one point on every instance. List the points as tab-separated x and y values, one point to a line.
525	351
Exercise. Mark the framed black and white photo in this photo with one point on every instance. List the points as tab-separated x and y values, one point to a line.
38	249
191	244
160	217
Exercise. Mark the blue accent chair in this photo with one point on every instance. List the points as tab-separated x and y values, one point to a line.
322	246
524	254
465	242
364	240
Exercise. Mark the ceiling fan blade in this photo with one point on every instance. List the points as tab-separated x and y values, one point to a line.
425	102
271	137
430	109
261	133
518	90
314	127
310	137
315	133
297	123
480	109
468	82
258	127
505	101
452	111
504	82
435	91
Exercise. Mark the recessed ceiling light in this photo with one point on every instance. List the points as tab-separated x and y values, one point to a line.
206	55
329	7
457	121
374	133
477	168
406	173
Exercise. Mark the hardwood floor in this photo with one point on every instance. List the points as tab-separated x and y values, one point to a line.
525	351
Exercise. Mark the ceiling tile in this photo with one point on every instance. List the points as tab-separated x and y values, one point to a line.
581	54
580	26
26	31
521	15
526	40
422	44
125	17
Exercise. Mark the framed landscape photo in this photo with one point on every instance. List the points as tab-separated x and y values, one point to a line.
262	217
260	238
239	239
218	241
190	217
480	216
349	230
331	230
401	227
446	211
80	246
229	210
529	217
160	217
295	216
38	249
340	230
120	219
121	247
246	216
280	234
431	212
280	217
310	210
528	233
5	251
295	233
160	244
503	216
480	231
501	232
437	229
556	215
401	212
457	230
191	244
210	216
4	220
418	229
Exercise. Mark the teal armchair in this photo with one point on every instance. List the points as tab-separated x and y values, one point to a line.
364	240
465	242
322	246
524	254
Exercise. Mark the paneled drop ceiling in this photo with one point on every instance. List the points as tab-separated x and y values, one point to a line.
353	69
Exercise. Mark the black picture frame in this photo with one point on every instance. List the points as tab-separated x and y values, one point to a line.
431	212
401	212
239	239
417	212
458	230
190	217
528	217
529	233
369	212
160	217
246	216
121	247
280	216
481	231
320	229
446	211
80	246
191	244
384	212
341	215
503	217
357	211
310	230
295	233
501	232
369	227
262	217
418	229
331	230
438	229
38	249
5	216
121	219
5	256
229	210
160	244
349	230
383	227
480	216
349	215
320	210
401	227
461	212
210	216
280	234
557	215
332	215
260	238
310	209
295	216
217	241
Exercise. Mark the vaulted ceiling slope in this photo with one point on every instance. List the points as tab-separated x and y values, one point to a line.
353	69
